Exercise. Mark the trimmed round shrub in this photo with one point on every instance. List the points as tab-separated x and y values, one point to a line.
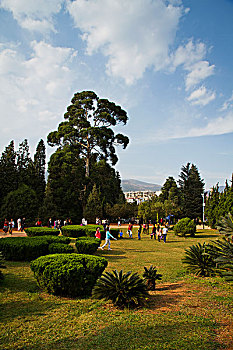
54	239
60	248
74	231
41	231
69	275
185	227
87	245
23	248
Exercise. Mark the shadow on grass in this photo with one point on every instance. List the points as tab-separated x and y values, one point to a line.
186	333
25	309
198	235
16	283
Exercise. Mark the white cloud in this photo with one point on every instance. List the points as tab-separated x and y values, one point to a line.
187	55
34	89
227	104
201	96
33	15
133	35
198	72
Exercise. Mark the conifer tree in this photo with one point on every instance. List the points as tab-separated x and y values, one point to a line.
93	207
192	188
39	168
8	171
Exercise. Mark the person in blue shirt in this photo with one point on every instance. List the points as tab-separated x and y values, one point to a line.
107	239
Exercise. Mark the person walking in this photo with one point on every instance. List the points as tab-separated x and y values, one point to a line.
139	231
19	224
11	226
153	232
23	223
165	231
130	229
6	226
107	239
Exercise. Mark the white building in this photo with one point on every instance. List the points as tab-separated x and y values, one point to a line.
140	196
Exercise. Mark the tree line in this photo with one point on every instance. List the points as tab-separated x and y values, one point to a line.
82	181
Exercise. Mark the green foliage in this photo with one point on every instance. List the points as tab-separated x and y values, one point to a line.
60	248
27	249
191	188
41	231
70	275
225	225
123	289
199	261
151	275
185	227
22	248
93	207
86	245
88	128
222	252
21	203
74	231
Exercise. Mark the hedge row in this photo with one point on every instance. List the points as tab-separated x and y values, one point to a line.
27	249
87	245
41	231
76	231
69	275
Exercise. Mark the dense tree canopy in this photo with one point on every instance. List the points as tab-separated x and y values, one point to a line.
88	128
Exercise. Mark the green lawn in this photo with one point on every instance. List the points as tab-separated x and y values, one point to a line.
183	313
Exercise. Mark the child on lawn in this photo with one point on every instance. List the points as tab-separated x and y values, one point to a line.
107	239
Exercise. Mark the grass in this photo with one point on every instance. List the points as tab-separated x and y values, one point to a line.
183	313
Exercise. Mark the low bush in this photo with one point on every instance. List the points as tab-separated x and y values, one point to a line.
41	231
2	266
185	227
23	248
69	275
60	248
27	249
74	231
87	245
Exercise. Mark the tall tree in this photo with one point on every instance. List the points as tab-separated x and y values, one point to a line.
88	128
8	171
24	164
39	167
93	208
192	188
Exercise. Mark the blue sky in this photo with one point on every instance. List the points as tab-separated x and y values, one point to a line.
167	63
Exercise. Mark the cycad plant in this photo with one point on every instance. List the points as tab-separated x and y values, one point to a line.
222	252
225	225
123	289
198	260
151	275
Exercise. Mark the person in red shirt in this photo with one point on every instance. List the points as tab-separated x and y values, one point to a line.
98	233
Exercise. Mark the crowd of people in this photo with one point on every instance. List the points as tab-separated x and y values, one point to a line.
8	226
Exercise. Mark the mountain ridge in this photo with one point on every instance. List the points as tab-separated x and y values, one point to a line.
137	185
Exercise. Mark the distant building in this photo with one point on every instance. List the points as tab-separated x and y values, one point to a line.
140	196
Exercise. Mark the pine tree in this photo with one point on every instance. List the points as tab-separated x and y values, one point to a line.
93	207
8	171
24	165
39	168
212	206
192	188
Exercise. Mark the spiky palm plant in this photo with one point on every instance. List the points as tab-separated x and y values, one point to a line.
199	261
123	289
225	225
222	252
151	276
